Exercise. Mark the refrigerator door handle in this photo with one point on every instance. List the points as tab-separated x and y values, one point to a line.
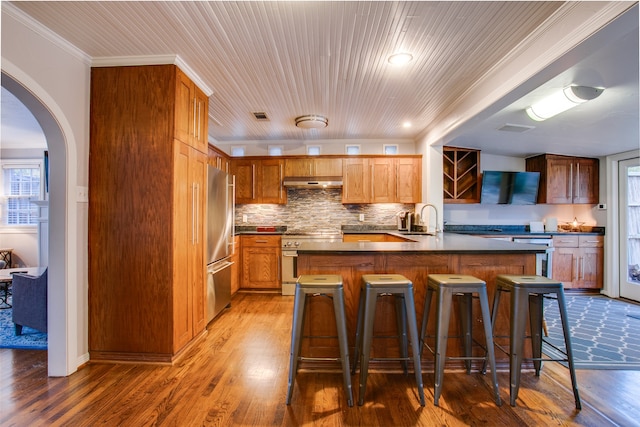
220	267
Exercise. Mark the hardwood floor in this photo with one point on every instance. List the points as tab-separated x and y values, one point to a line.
237	375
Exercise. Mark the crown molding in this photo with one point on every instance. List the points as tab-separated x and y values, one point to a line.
44	32
123	61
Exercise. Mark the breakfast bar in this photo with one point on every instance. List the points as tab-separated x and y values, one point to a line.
415	258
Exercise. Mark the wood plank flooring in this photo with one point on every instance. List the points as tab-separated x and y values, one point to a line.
237	376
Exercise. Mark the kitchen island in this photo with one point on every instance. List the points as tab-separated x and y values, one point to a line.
415	258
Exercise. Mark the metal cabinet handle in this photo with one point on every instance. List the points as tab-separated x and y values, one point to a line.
571	181
578	180
262	241
253	181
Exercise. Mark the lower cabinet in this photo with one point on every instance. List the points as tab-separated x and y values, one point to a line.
261	255
235	267
578	261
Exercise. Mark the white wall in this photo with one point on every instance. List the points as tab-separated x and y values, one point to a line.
56	77
480	214
299	148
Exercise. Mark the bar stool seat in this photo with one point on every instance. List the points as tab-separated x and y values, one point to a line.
319	285
446	286
531	289
373	286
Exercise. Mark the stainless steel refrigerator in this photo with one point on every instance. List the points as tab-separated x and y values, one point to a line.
220	230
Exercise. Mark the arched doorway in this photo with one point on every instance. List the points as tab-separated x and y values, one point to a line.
62	284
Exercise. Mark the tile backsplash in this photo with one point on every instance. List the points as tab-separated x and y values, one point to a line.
315	208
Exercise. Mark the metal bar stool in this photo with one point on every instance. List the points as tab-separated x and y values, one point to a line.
532	289
327	286
446	286
373	286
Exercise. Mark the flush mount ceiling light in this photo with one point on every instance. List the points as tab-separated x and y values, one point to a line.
561	101
400	58
312	122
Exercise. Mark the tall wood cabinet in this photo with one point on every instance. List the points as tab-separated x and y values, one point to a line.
565	179
147	178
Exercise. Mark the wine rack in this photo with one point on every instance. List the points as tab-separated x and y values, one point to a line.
461	170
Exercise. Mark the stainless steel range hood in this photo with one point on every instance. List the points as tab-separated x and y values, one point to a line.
313	182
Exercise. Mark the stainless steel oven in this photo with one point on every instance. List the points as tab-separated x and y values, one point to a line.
291	240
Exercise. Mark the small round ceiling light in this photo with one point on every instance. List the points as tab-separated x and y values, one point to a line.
312	121
400	58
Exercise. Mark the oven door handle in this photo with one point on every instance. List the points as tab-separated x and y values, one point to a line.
290	254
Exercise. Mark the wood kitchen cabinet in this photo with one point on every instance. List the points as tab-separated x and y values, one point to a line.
218	159
578	261
461	175
313	167
235	267
566	180
259	180
382	180
192	113
261	257
146	217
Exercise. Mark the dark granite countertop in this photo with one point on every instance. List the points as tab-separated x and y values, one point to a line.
260	229
442	242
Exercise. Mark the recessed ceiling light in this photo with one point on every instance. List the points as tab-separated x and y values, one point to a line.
400	58
406	125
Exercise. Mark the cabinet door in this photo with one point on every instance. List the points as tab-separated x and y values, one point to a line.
560	180
183	108
246	175
182	235
408	180
270	182
197	273
327	167
201	120
298	167
383	180
564	266
585	181
590	265
356	181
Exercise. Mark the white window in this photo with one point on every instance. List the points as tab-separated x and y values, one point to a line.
313	150
390	148
22	183
237	151
353	149
275	150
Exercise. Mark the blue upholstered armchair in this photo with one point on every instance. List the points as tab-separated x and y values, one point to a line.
29	295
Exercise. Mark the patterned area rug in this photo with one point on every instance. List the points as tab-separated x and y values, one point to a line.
31	339
605	332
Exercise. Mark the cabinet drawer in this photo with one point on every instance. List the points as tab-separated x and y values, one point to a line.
261	241
565	241
591	241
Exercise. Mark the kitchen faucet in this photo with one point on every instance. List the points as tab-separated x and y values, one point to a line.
437	230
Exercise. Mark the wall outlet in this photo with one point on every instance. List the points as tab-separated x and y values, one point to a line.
244	218
82	194
361	218
602	206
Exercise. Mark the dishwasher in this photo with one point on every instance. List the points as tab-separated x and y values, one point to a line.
544	262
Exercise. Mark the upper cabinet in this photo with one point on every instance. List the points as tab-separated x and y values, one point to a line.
313	167
382	180
566	180
191	119
219	159
259	180
461	175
